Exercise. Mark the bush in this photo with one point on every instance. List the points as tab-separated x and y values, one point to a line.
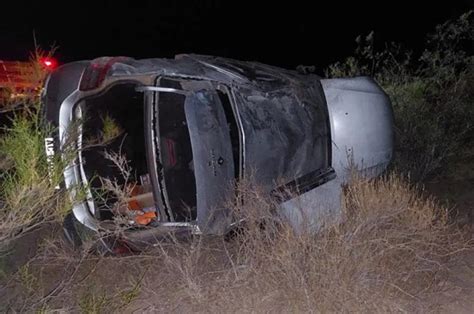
28	197
432	95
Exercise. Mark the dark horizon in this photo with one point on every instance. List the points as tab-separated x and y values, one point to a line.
279	35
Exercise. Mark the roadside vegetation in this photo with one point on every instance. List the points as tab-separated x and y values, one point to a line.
390	254
28	198
394	250
28	181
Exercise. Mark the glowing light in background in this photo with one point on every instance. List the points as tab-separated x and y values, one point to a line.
49	63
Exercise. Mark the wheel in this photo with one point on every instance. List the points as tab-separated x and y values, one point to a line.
77	235
70	229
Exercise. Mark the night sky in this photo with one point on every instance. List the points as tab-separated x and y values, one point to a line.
284	34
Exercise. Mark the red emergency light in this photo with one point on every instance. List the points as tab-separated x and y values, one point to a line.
49	63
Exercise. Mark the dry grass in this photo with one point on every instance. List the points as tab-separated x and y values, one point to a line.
391	254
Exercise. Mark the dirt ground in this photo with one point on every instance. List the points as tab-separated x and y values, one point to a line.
456	190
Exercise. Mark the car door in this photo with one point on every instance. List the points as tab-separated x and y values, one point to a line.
212	159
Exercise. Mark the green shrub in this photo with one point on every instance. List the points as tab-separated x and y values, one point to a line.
28	194
431	94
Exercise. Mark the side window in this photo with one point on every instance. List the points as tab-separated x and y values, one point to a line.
176	153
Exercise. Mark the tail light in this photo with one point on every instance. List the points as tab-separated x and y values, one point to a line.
95	73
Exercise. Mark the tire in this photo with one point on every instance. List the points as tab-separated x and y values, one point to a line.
71	234
77	235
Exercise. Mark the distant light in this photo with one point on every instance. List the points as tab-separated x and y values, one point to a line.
49	63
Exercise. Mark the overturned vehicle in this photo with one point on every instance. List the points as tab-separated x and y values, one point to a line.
189	128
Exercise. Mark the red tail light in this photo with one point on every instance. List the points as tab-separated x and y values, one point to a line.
95	73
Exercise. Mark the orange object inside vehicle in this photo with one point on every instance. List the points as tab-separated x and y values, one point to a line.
145	218
141	203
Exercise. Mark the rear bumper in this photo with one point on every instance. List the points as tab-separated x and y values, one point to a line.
59	98
74	176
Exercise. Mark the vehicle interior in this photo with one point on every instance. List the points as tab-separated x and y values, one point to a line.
115	122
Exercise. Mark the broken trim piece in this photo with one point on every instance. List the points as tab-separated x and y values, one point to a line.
162	90
303	184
